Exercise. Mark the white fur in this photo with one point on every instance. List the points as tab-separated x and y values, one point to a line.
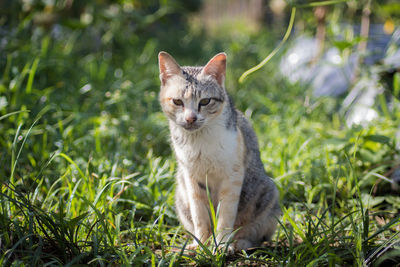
212	156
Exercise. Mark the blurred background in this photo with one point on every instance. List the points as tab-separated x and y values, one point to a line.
95	61
79	101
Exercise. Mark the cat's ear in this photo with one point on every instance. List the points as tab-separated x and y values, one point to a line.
168	67
216	68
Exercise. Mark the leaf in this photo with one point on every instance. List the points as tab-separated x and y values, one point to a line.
371	201
367	200
378	139
367	155
394	200
342	45
335	143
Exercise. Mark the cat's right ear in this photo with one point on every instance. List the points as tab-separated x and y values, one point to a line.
168	67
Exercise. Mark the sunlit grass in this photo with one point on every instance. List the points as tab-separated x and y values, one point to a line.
87	175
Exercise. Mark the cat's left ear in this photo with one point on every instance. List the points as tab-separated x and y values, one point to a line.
216	68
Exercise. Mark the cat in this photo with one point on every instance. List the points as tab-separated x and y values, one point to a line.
216	149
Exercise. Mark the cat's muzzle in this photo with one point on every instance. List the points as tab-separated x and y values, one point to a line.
191	127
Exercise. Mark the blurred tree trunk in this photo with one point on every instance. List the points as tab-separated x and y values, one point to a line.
320	15
364	32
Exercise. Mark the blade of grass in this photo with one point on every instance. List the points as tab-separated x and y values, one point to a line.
382	249
277	48
321	3
31	75
20	149
73	163
12	113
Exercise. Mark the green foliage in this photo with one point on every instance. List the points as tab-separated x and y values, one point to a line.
87	173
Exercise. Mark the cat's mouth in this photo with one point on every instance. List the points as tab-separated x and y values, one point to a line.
191	127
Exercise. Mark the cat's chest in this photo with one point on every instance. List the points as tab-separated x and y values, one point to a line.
208	153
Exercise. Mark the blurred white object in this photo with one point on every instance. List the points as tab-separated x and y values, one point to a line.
330	76
392	59
360	101
295	64
333	75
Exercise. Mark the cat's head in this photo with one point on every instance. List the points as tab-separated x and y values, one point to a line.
192	96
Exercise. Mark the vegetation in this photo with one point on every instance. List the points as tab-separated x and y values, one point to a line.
87	174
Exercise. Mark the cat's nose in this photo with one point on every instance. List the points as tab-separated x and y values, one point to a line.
191	118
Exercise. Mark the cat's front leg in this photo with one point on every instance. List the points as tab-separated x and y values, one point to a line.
229	196
199	211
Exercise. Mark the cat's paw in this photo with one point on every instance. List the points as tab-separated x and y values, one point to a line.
231	250
241	244
224	237
193	246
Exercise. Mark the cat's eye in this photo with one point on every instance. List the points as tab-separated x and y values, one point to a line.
204	101
177	102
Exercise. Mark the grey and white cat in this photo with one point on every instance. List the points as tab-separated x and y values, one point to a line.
215	145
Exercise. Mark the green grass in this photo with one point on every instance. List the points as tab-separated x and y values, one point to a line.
87	174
